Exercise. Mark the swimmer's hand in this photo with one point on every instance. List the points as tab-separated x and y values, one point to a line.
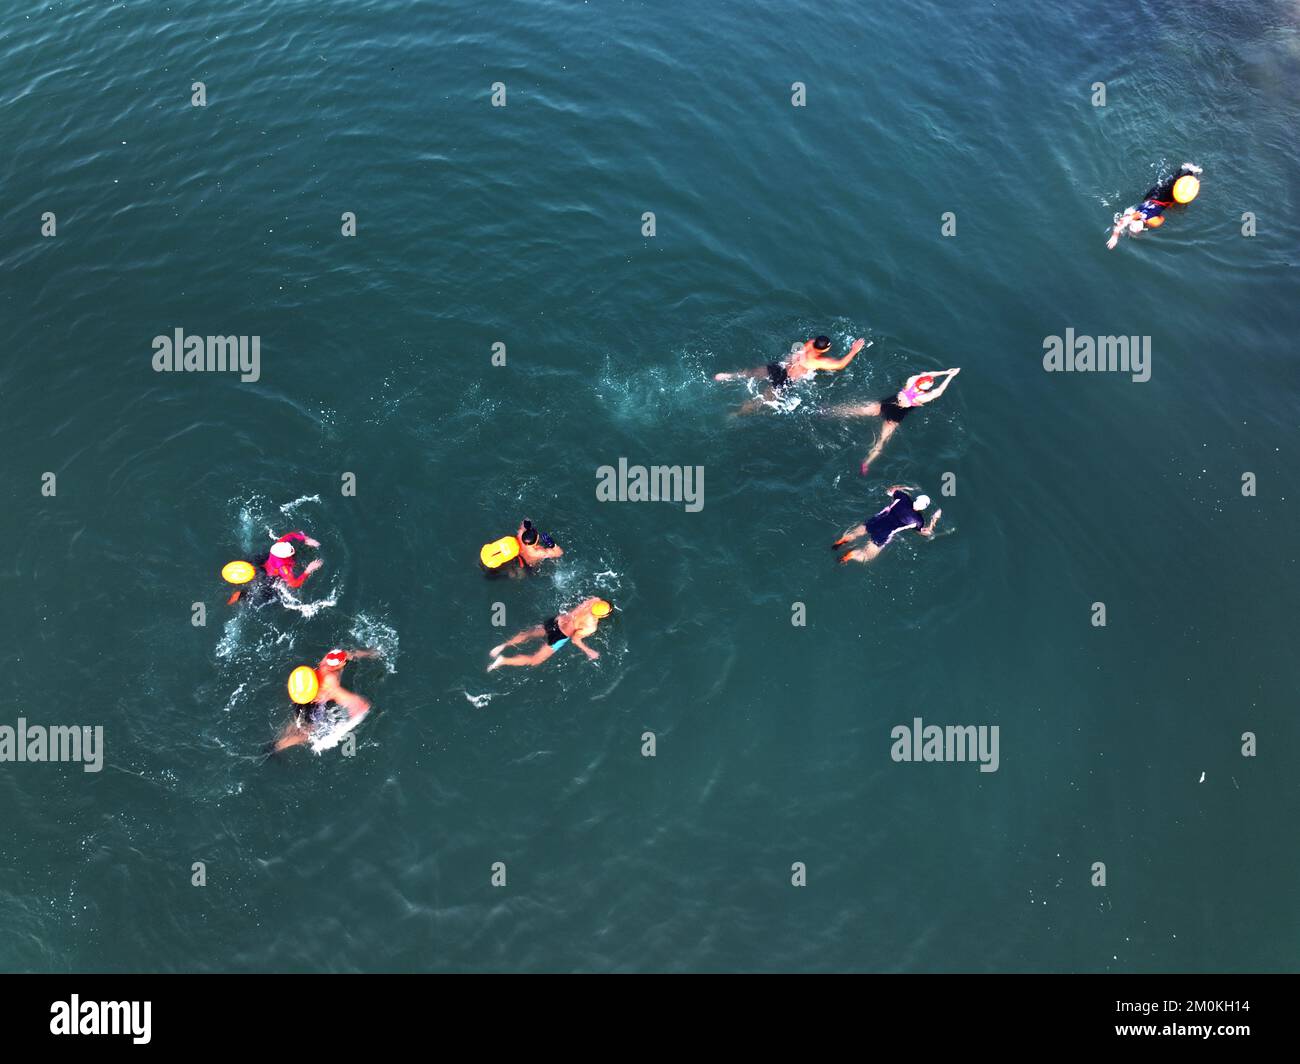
308	541
857	346
591	654
313	565
722	376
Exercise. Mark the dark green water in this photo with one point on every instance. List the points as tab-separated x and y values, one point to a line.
521	225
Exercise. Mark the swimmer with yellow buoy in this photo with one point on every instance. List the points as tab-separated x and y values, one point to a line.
1181	188
317	692
521	553
573	626
277	564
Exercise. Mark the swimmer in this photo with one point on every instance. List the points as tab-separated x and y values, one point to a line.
574	626
535	547
280	562
804	361
311	717
919	390
903	512
1182	187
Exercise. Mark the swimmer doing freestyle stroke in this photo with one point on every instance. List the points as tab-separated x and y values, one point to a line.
574	626
804	361
919	390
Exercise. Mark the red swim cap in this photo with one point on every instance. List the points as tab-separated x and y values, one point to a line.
335	658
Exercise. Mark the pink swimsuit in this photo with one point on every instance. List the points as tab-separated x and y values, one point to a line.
283	567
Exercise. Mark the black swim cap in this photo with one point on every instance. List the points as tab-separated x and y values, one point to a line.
529	536
822	343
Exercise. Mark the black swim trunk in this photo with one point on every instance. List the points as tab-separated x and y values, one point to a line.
553	633
778	375
891	411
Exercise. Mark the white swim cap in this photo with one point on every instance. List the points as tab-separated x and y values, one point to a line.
282	550
1135	226
920	502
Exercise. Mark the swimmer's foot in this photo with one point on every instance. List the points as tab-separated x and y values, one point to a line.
865	468
497	661
495	652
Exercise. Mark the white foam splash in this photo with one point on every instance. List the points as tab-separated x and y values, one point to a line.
477	701
307	609
289	506
375	634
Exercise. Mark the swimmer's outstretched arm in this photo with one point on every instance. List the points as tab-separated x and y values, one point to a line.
365	653
301	537
818	362
928	530
298	581
930	396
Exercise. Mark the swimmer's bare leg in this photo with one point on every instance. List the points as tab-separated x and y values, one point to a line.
536	632
757	404
856	532
292	736
886	430
523	659
862	554
855	410
761	371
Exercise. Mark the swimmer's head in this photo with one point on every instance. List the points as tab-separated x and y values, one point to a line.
822	343
335	659
530	534
1135	226
282	549
920	503
600	608
925	383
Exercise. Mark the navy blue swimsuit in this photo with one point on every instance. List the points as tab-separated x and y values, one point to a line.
895	517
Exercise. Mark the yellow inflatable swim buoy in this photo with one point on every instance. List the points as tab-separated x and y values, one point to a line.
237	572
1186	188
304	685
494	555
